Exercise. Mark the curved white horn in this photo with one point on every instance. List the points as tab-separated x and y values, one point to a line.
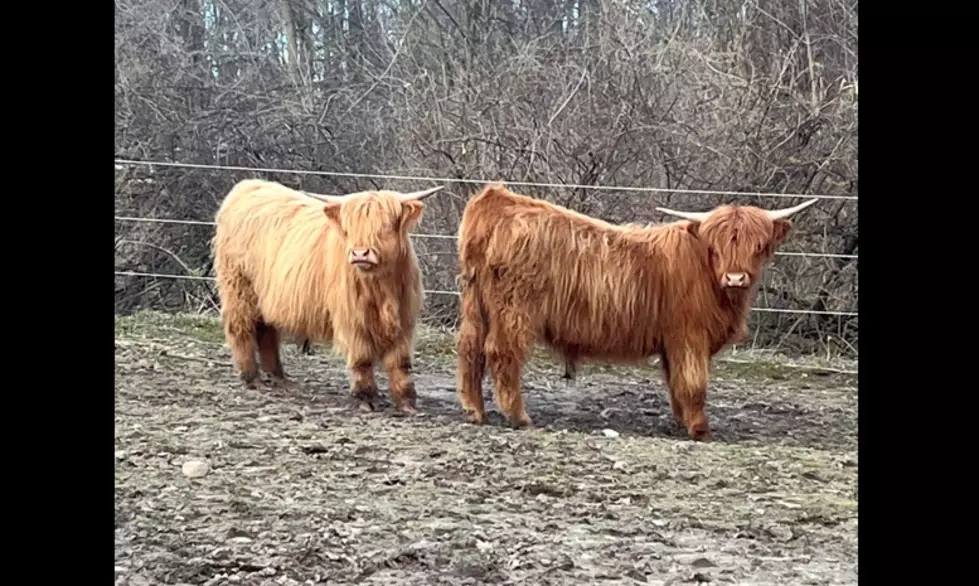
695	216
419	194
778	214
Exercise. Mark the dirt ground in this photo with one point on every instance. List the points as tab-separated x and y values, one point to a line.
303	488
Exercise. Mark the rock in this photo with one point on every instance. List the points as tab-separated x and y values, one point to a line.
195	468
695	560
619	465
139	580
610	433
781	532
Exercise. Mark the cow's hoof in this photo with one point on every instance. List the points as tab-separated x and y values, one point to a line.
701	435
255	384
284	384
408	409
522	422
367	398
474	417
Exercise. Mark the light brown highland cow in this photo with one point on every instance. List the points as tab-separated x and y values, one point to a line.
532	271
325	268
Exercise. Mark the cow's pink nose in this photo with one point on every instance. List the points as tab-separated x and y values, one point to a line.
736	280
362	258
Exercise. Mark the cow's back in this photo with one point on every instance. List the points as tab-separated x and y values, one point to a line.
281	241
588	286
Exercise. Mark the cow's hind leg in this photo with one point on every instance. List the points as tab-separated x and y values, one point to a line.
471	360
570	370
239	312
507	347
675	403
306	347
570	365
397	363
689	367
269	341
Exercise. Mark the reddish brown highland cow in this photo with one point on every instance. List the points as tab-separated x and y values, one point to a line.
324	268
532	271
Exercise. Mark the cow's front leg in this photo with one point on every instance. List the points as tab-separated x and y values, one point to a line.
397	363
688	366
363	387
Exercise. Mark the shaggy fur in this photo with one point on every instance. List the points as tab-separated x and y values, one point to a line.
532	271
281	259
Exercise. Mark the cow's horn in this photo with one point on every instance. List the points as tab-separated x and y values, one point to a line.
695	216
420	194
328	198
779	214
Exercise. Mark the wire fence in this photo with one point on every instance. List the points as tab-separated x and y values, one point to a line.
478	181
443	236
453	237
456	293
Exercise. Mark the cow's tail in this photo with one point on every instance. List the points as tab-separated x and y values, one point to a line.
472	334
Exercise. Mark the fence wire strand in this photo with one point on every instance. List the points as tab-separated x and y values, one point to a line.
441	236
456	293
452	237
133	162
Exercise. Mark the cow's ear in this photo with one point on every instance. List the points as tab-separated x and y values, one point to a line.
332	212
411	213
693	228
780	230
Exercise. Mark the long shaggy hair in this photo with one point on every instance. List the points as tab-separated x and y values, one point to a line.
533	272
284	267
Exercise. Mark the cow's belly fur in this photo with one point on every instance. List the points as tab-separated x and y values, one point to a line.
367	328
312	322
607	345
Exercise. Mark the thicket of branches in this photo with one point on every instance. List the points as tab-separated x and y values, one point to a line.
742	95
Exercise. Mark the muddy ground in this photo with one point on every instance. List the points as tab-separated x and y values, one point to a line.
303	488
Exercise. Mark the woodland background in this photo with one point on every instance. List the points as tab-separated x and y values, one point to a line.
728	95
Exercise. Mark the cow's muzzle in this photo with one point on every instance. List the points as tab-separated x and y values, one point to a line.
362	258
735	280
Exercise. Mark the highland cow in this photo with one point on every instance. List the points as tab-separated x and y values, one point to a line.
532	271
320	268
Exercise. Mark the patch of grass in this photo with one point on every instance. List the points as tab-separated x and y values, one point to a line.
440	344
148	323
435	342
759	368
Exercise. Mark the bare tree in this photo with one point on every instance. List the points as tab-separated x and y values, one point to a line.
680	94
